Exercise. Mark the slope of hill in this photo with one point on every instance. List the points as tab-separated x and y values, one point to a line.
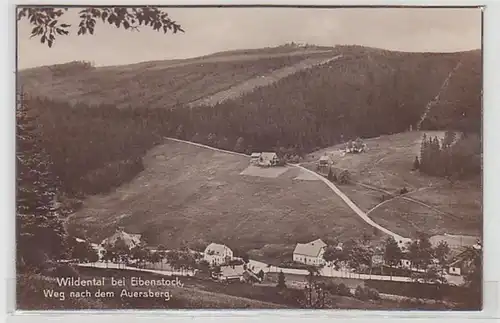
174	200
432	205
156	84
367	92
250	85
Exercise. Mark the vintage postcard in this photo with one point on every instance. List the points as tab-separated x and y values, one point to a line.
249	158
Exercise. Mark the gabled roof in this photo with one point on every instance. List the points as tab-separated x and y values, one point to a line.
311	249
268	156
130	239
217	249
462	256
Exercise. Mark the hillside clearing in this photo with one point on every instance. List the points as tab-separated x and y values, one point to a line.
433	205
271	172
261	81
196	195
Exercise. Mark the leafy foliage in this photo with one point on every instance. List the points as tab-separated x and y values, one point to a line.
474	280
366	293
82	251
39	230
315	291
46	21
392	252
420	251
338	289
441	252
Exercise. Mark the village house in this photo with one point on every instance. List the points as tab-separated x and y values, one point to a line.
404	263
264	159
461	263
233	273
130	239
310	253
254	158
324	161
356	146
217	254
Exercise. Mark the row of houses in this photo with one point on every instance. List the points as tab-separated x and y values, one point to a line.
311	253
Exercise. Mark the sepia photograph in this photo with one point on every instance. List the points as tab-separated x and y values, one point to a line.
258	157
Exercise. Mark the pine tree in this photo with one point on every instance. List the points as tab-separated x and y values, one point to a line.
424	154
281	280
330	175
39	230
416	163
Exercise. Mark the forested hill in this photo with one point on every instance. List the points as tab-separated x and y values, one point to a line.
366	93
98	122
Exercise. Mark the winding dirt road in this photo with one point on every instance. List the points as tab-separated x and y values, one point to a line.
401	240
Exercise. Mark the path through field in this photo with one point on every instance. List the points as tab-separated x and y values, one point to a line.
401	240
261	81
335	189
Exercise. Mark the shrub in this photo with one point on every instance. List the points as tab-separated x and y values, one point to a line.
344	177
404	190
373	294
59	270
343	290
360	293
366	293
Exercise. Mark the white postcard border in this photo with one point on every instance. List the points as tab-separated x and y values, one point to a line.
491	119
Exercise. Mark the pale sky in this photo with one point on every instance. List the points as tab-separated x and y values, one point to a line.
209	30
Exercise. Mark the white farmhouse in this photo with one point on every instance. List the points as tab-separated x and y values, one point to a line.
217	254
268	159
310	253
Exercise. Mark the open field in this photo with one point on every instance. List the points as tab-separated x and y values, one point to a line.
433	205
270	172
388	162
195	195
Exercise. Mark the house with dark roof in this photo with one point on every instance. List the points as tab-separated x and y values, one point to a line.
131	240
310	253
264	159
324	161
232	273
